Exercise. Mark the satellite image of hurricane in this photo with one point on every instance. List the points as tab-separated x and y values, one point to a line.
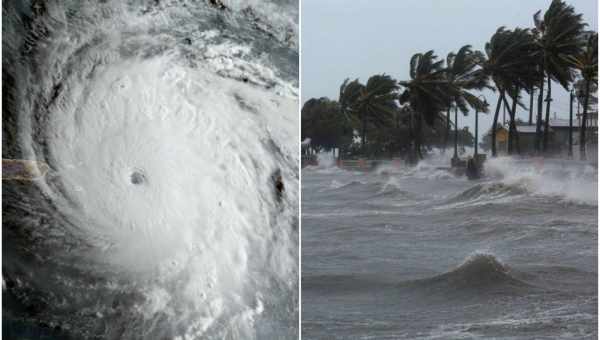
150	169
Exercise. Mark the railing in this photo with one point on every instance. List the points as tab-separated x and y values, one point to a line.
367	164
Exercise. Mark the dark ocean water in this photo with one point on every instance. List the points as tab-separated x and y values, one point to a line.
415	253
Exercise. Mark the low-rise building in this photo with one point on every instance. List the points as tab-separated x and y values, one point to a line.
558	138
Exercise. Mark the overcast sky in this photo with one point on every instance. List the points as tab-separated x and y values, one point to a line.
359	38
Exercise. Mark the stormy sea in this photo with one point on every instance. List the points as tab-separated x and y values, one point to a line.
161	200
417	253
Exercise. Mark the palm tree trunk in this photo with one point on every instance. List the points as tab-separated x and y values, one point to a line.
547	122
494	124
363	134
513	132
584	121
456	132
531	92
538	122
418	139
513	121
509	149
476	133
570	154
413	138
447	135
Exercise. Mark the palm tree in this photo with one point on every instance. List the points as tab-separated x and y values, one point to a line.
371	103
464	75
587	64
513	134
558	38
524	77
509	64
531	96
427	92
349	92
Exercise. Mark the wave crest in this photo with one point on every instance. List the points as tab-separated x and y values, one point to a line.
477	271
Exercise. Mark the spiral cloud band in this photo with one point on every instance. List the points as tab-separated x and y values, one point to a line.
166	126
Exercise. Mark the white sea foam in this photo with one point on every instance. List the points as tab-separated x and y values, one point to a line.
570	180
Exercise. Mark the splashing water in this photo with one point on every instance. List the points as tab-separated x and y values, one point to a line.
573	181
415	252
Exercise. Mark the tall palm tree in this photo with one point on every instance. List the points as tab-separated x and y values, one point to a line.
587	64
373	103
464	75
377	101
525	75
349	93
513	134
509	64
558	35
427	92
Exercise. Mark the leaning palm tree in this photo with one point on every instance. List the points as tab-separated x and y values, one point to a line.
509	64
376	103
349	93
427	92
524	77
587	64
464	75
559	35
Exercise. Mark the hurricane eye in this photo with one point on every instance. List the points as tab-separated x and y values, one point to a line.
137	178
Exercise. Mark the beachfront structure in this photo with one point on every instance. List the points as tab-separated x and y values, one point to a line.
558	135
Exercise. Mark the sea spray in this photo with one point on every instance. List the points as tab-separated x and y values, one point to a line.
570	180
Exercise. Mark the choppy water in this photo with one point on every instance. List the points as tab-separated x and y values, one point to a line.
164	124
415	253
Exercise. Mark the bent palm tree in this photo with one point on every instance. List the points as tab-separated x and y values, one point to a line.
464	75
587	64
558	38
376	102
427	93
509	64
349	93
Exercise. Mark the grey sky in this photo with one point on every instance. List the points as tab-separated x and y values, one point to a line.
356	39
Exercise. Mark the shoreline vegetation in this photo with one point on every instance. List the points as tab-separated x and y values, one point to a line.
386	118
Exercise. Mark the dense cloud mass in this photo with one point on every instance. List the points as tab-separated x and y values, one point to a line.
163	124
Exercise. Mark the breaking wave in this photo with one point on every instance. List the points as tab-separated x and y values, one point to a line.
488	191
477	271
570	180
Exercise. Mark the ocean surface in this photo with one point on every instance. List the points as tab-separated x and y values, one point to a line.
165	125
416	253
